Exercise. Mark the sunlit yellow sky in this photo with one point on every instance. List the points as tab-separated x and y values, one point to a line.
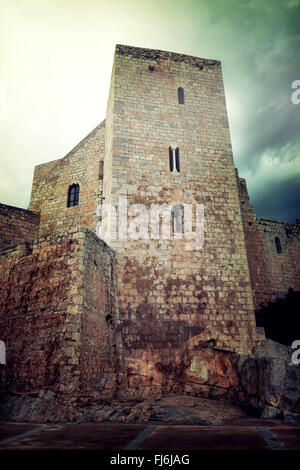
55	66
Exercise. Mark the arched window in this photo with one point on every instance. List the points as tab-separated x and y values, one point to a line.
171	162
177	218
278	245
73	195
180	95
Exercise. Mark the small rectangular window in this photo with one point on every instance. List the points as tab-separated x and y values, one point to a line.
180	95
278	245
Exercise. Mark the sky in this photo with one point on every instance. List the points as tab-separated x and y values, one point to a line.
55	66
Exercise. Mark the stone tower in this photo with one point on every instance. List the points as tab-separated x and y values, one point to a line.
174	298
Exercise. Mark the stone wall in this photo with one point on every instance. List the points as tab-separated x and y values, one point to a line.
83	166
17	225
170	295
54	303
271	273
282	269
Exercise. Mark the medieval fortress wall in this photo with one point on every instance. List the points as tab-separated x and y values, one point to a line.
86	317
274	268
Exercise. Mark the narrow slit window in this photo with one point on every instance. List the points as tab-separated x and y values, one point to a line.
171	162
177	159
2	353
73	195
278	245
174	159
180	95
177	218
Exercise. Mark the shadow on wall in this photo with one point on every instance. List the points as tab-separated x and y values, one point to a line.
281	318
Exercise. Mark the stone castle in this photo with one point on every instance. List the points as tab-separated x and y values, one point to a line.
91	318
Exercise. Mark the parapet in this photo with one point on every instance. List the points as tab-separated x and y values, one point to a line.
156	54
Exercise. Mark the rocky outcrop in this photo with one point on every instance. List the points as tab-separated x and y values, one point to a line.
266	381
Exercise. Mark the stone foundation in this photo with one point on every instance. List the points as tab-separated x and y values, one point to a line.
57	318
265	383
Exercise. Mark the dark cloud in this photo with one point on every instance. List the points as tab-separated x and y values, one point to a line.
279	202
266	52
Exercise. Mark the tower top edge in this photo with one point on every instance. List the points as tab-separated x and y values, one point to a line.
157	54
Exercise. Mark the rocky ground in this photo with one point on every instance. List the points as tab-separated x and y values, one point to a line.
170	409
